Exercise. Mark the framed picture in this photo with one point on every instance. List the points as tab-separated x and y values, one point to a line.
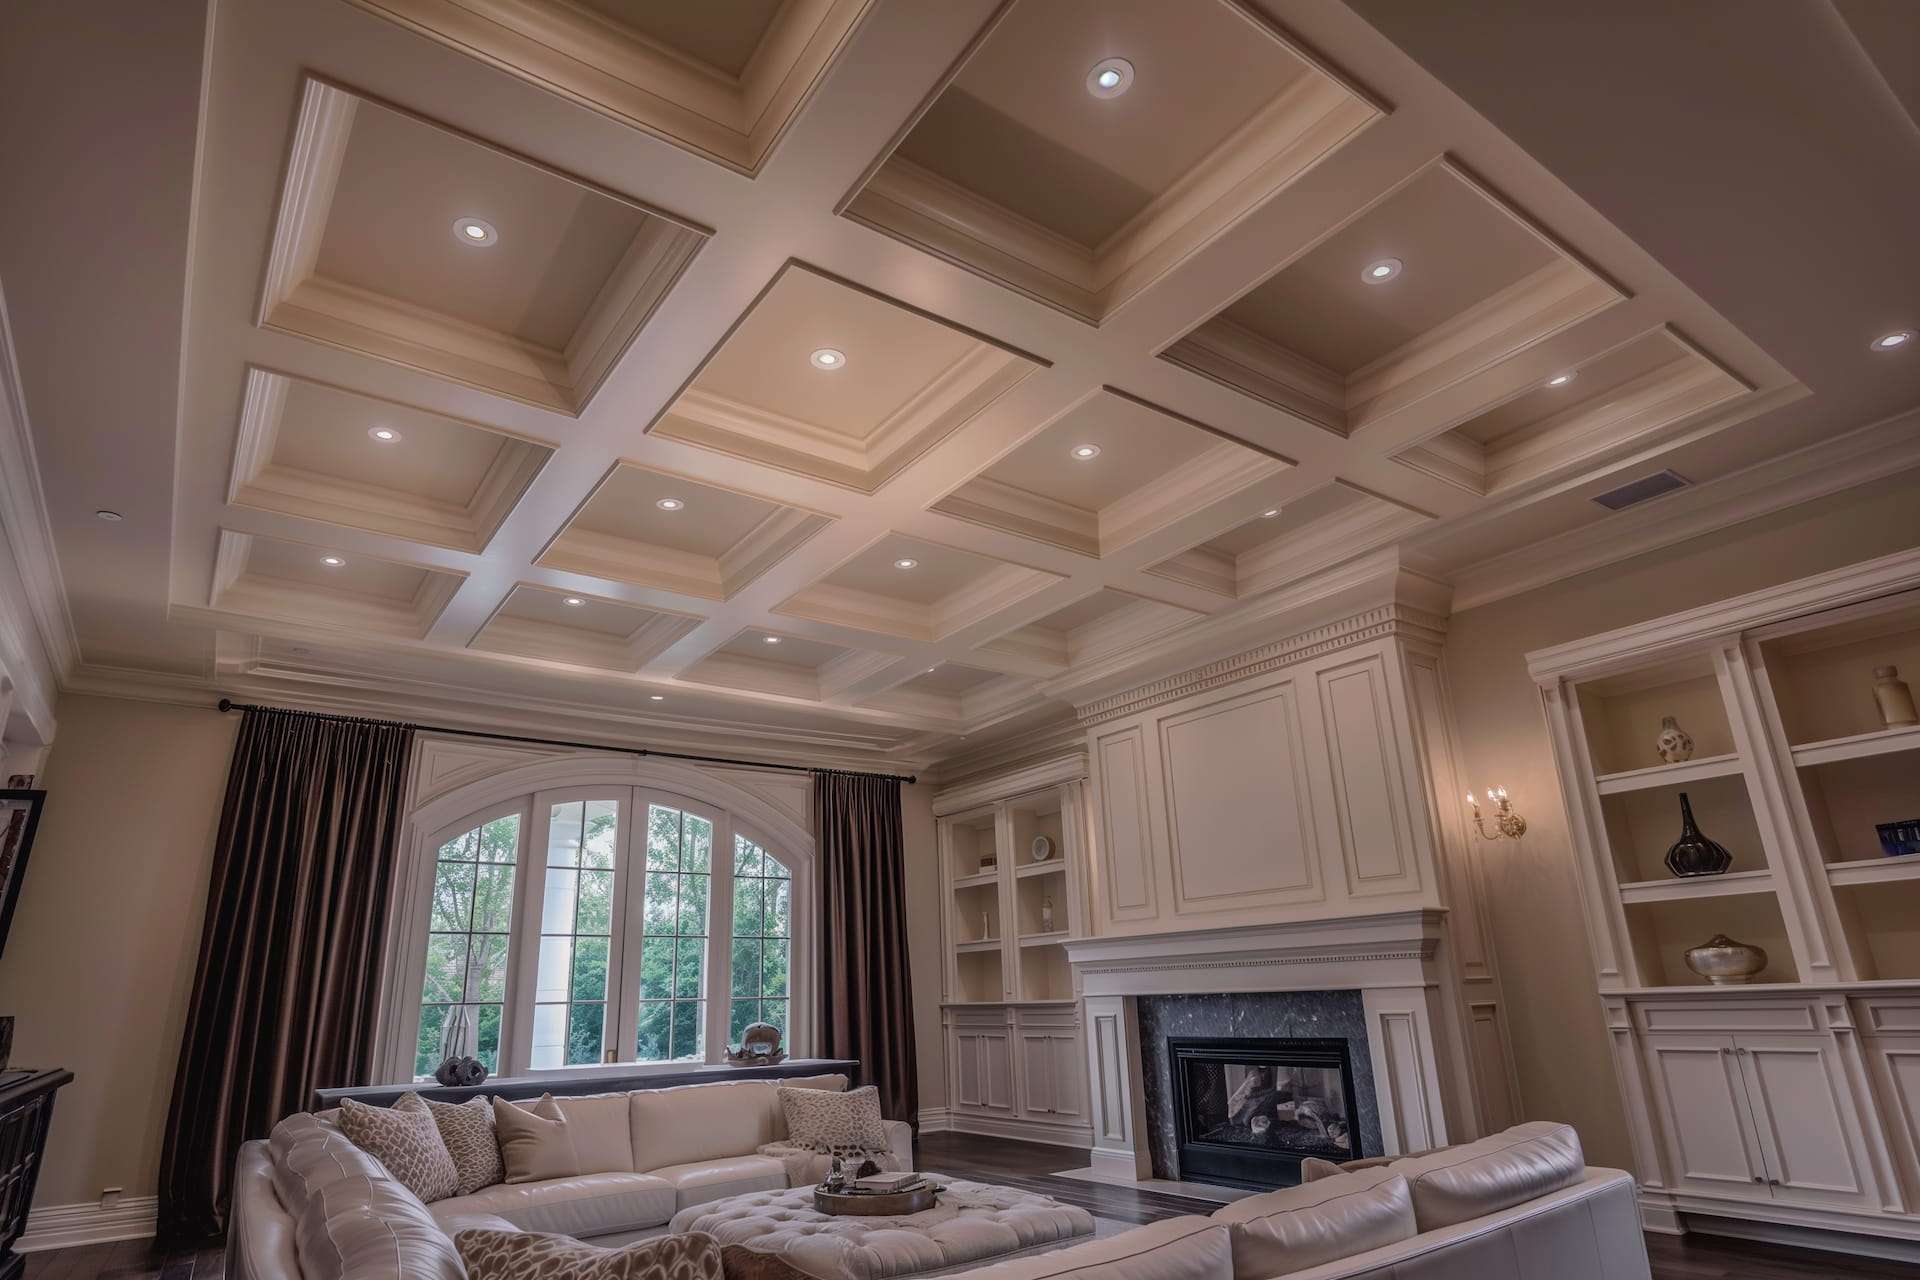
19	820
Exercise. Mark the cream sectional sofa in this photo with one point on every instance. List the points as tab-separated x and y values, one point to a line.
309	1205
1520	1205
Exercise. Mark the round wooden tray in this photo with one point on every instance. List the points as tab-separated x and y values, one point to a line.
898	1205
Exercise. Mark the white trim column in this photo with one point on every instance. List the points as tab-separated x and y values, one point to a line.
1116	1096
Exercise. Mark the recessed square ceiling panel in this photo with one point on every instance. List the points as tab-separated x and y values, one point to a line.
1333	523
402	239
325	587
1620	396
835	383
559	626
315	451
1027	168
722	78
953	691
1436	281
1105	474
901	586
1104	623
765	661
656	529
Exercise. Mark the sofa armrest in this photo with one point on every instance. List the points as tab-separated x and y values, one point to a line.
900	1142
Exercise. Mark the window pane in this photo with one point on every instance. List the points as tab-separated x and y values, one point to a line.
446	968
458	849
452	896
688	1017
774	968
747	896
549	1036
556	907
779	907
775	1011
697	851
656	968
563	834
663	838
426	1054
746	857
493	899
662	891
687	971
590	969
744	1014
499	840
746	967
487	967
556	968
487	1049
774	867
584	1027
693	904
595	911
656	1028
602	828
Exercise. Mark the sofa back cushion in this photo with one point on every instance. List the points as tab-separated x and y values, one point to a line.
1173	1249
306	1152
1281	1232
563	1138
362	1228
709	1121
1478	1178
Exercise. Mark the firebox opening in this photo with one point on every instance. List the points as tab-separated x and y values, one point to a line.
1247	1111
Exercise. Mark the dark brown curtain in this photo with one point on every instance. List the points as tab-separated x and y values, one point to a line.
290	954
866	989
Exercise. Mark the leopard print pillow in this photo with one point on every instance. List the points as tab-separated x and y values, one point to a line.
527	1255
841	1123
404	1138
467	1129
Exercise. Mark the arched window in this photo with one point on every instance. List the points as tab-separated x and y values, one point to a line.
584	926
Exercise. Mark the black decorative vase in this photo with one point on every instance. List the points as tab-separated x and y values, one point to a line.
1693	854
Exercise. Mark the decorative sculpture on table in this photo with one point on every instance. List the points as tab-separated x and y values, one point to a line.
1693	854
1673	744
759	1047
458	1069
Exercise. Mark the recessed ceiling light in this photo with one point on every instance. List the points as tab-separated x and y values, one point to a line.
573	602
656	697
1382	271
385	435
332	562
1561	379
769	639
1110	77
905	562
670	504
111	517
829	358
1270	513
1086	451
474	231
1893	341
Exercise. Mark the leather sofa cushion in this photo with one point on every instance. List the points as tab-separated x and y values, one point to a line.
1477	1178
1174	1249
710	1121
372	1229
704	1180
306	1153
1281	1232
592	1204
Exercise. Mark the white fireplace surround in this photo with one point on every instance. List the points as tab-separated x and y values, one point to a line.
1394	960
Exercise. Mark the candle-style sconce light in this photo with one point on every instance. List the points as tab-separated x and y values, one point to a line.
1507	825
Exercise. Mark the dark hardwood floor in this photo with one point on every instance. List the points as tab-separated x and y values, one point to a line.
1031	1165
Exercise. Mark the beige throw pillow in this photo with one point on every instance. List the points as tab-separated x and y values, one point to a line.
525	1255
467	1129
842	1123
405	1139
535	1144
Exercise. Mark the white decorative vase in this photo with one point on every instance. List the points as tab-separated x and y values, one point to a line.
1673	744
1724	962
1895	699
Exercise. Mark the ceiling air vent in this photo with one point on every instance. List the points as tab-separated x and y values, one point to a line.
1637	491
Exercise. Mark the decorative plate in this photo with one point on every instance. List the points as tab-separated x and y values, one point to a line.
1042	848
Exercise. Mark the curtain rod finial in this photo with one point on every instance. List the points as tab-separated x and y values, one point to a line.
226	704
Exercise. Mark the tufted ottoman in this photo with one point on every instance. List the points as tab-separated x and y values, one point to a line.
973	1224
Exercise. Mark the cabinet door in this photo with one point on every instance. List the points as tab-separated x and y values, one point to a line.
983	1077
1050	1067
1804	1118
1702	1102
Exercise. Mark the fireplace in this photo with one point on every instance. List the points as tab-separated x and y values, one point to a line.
1246	1111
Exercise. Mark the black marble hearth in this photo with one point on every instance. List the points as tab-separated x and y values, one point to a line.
1316	1015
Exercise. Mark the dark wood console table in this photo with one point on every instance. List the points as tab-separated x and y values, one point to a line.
385	1095
26	1108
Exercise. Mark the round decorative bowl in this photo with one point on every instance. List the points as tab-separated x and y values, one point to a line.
1724	962
898	1205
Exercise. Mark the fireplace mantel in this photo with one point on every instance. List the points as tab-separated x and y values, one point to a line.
1394	959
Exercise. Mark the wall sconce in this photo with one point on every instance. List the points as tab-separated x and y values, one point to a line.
1507	825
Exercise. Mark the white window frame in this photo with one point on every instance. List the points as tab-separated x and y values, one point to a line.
530	792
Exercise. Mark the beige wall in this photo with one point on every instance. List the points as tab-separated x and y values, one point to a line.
1539	931
923	939
101	958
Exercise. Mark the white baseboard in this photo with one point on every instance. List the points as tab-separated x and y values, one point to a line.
62	1226
935	1120
1018	1130
1827	1241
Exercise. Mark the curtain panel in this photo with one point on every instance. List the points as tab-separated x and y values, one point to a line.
285	996
866	988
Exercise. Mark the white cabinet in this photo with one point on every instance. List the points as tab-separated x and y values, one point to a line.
982	1070
1052	1065
1703	1105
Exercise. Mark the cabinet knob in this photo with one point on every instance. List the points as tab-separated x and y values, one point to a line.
1758	1178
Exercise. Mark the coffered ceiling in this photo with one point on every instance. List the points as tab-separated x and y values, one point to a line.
845	380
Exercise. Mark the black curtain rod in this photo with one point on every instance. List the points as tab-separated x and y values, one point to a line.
228	704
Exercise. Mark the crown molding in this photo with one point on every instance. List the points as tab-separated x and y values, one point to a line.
1069	766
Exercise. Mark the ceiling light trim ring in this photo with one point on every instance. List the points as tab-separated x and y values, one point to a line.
1110	77
464	231
1382	270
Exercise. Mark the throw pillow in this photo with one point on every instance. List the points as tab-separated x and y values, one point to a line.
404	1138
527	1255
842	1123
467	1129
535	1142
744	1262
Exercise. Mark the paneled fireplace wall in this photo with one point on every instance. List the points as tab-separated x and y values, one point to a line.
1321	1015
